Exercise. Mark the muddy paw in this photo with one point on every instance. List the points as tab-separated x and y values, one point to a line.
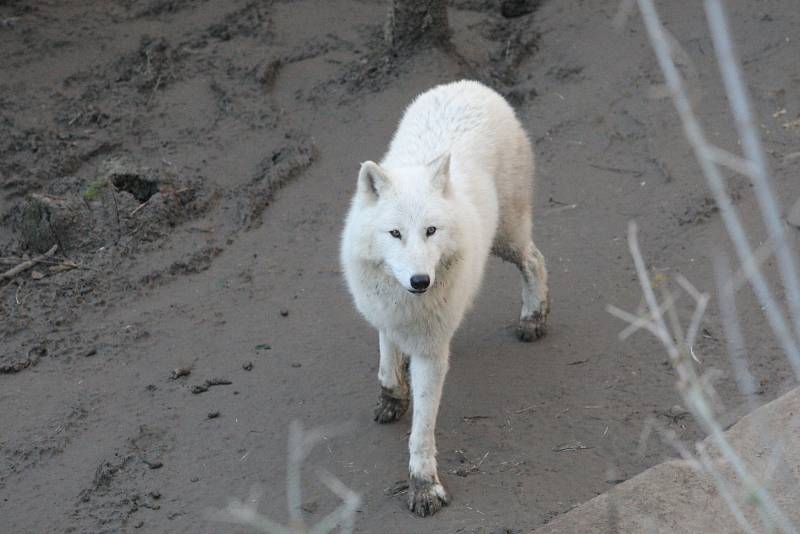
426	497
390	408
532	327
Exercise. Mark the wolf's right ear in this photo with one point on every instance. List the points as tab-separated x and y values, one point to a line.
372	181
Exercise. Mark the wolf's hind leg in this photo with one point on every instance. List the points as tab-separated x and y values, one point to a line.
393	376
535	295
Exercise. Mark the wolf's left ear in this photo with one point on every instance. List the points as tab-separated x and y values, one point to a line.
441	176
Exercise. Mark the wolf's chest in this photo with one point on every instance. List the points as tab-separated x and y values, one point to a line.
387	305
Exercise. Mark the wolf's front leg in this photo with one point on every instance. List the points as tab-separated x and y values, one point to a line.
393	376
426	495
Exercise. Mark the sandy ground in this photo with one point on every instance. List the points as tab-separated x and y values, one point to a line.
232	132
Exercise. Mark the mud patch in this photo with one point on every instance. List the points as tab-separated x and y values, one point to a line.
15	366
700	213
156	8
119	487
154	66
20	454
274	171
197	262
506	33
81	215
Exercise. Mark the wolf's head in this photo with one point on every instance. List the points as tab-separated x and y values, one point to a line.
408	221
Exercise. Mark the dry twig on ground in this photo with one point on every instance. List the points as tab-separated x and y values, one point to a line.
25	265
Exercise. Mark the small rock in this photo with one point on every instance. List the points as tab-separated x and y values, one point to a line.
284	312
202	388
213	415
247	366
155	494
180	371
296	364
199	388
677	411
155	464
194	479
90	352
139	524
269	73
37	275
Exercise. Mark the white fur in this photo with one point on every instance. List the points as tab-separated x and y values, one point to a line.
459	162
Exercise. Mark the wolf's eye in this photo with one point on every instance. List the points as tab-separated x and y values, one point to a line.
429	231
395	234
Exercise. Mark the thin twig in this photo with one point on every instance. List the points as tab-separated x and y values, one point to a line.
702	301
25	265
669	300
732	161
116	209
139	207
764	251
733	333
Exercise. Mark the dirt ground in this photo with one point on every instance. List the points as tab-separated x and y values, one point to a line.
192	161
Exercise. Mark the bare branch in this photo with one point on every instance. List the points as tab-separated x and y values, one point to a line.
636	322
697	391
696	137
699	396
723	486
732	161
751	145
733	334
344	515
669	300
300	445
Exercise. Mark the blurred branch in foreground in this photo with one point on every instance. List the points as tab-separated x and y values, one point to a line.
740	487
300	445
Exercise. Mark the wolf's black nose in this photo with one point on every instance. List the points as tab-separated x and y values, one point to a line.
420	281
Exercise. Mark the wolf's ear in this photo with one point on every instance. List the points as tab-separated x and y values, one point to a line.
372	181
441	174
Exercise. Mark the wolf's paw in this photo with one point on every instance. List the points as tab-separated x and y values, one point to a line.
390	408
532	327
426	497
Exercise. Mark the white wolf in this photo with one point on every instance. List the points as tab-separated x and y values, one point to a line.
455	185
